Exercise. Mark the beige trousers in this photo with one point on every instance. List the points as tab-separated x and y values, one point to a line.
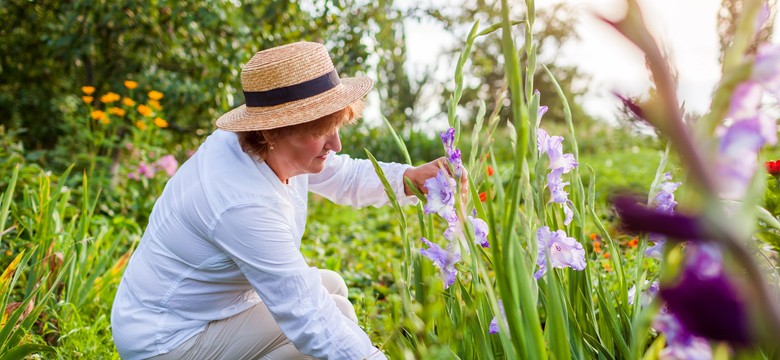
253	334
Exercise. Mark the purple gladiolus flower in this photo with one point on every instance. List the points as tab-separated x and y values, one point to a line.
632	106
556	185
445	260
738	160
680	344
563	251
647	294
455	161
639	218
766	69
493	327
440	199
553	145
657	249
704	299
168	164
664	202
453	154
448	138
480	231
745	101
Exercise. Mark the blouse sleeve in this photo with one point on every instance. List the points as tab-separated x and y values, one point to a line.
354	182
259	239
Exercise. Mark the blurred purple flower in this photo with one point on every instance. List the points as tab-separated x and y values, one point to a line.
639	218
647	294
657	249
632	106
704	300
445	260
563	251
145	170
763	16
766	69
745	101
738	157
680	344
440	199
493	327
168	164
480	231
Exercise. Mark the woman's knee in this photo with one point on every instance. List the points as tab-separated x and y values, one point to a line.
345	307
334	283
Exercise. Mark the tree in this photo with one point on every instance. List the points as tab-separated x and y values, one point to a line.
191	51
727	24
555	28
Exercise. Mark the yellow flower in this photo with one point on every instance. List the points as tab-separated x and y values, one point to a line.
155	105
98	114
87	99
131	84
160	122
88	89
128	102
144	110
140	124
155	95
109	98
116	111
105	120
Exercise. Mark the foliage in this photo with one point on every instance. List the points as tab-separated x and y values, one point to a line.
189	50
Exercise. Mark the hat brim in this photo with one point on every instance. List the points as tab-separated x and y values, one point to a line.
245	118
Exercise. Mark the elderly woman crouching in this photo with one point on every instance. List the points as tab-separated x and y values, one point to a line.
218	273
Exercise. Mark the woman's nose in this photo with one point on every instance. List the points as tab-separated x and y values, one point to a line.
334	142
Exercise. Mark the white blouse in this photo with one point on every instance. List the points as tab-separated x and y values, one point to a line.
225	235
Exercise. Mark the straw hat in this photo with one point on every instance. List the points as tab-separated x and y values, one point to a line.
291	84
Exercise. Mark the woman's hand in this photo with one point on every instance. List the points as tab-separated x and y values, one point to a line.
419	174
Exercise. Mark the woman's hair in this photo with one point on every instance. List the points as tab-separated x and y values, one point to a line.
258	143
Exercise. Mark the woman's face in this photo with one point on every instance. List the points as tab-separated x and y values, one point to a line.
302	154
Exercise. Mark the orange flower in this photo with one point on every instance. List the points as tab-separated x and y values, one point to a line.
128	102
607	266
131	84
487	156
87	99
109	98
490	170
155	105
105	120
594	236
144	110
633	243
160	122
597	247
140	125
97	114
116	111
88	90
155	95
607	255
483	196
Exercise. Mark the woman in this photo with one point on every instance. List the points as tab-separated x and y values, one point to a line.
218	273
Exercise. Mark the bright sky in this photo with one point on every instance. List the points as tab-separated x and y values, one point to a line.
686	27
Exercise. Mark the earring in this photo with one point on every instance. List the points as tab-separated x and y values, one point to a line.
271	147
